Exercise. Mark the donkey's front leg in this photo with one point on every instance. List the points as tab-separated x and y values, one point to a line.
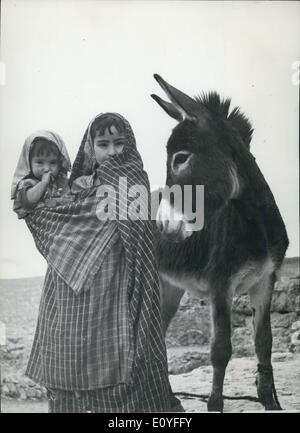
260	299
221	344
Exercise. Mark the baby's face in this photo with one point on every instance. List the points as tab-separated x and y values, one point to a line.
43	163
109	144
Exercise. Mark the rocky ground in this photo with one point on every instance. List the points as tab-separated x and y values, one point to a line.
187	342
239	382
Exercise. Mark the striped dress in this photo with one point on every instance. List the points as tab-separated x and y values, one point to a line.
84	343
99	344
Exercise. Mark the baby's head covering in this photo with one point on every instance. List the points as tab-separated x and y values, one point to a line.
23	167
85	161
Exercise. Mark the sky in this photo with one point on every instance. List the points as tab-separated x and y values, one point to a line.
66	61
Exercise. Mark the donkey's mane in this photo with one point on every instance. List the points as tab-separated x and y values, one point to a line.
220	108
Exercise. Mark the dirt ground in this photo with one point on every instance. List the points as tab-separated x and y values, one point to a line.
19	300
239	381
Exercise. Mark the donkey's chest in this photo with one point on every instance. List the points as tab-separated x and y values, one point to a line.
250	274
193	284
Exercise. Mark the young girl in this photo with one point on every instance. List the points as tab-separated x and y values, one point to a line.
99	345
40	178
106	136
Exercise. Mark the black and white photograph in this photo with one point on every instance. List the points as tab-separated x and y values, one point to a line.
149	209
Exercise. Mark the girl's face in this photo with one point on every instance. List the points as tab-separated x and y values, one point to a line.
109	144
43	163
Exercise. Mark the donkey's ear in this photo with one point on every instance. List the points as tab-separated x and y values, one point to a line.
169	108
187	106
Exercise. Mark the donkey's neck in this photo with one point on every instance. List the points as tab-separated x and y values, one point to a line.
227	241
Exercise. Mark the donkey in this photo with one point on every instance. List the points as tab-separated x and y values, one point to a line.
243	240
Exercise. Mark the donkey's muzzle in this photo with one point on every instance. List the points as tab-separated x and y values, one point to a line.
171	224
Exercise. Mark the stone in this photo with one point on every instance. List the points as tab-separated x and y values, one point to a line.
241	305
30	392
280	302
282	320
38	393
295	338
14	340
23	395
16	348
2	334
297	305
192	337
281	356
4	390
188	361
238	320
242	342
296	325
13	391
191	325
27	381
295	348
285	295
294	284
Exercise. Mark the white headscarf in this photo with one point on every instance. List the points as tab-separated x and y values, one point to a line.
23	167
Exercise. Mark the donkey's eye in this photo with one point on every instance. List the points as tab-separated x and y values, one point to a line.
181	158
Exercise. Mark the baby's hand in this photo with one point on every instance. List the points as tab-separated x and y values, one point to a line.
46	178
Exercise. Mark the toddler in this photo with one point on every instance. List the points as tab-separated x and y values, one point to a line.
41	178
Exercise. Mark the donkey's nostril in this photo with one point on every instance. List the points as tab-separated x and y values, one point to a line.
159	225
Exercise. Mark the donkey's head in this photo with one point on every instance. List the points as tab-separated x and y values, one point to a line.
200	151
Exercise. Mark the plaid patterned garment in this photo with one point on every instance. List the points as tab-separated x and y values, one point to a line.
99	325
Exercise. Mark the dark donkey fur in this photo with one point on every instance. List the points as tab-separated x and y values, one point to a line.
243	241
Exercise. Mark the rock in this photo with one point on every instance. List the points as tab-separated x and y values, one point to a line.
4	390
241	305
238	320
23	395
13	391
38	393
30	392
16	348
242	342
294	283
282	320
280	357
15	380
192	337
297	305
7	379
285	296
295	339
296	325
14	340
191	324
280	343
2	334
27	381
280	302
295	348
188	361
